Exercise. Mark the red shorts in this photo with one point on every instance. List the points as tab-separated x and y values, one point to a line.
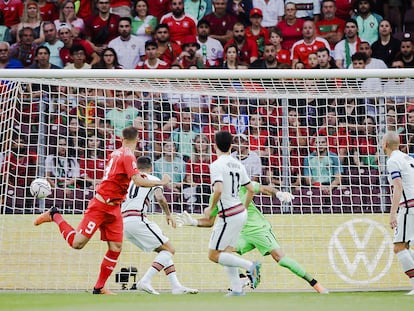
106	217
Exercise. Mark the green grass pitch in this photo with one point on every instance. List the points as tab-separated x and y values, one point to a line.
253	301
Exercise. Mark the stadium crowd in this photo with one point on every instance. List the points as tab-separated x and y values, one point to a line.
149	34
333	143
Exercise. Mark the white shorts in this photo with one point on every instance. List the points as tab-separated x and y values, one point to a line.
145	234
226	232
404	232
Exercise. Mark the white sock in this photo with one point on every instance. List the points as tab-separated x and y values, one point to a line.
160	261
230	260
172	275
407	263
233	274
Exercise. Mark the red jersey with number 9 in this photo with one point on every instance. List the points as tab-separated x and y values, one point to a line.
121	167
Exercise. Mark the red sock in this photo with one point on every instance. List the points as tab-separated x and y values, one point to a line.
67	231
107	266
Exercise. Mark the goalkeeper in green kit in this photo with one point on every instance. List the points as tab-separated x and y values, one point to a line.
257	233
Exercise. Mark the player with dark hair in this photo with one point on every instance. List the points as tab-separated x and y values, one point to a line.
227	176
400	167
104	212
147	235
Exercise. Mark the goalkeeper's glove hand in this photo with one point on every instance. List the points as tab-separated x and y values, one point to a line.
284	197
185	219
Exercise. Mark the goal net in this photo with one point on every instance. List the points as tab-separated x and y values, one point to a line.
314	133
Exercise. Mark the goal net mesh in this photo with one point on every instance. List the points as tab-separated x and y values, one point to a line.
316	135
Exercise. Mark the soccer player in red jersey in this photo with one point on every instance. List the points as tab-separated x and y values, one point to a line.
104	210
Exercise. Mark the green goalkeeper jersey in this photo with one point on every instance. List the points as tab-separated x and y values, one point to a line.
255	219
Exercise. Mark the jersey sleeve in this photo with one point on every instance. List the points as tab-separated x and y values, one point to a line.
130	165
244	178
393	169
216	174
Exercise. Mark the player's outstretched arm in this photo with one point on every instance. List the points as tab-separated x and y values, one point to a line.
283	196
141	181
185	219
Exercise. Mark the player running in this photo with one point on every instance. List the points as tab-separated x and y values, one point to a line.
257	233
400	167
104	210
227	176
147	235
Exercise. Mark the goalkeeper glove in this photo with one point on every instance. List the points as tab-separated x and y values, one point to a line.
284	196
185	219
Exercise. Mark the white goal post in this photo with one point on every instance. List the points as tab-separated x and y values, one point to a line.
63	124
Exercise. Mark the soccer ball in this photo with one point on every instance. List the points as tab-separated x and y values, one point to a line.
40	188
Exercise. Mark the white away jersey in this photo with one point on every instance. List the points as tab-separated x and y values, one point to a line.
401	165
139	198
233	175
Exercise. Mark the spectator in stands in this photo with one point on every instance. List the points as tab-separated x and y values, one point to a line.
31	18
129	48
6	62
282	55
151	60
42	59
344	9
313	60
367	20
345	48
20	164
121	8
393	122
53	43
5	34
240	9
406	54
171	163
109	60
291	27
62	169
159	8
143	24
359	61
67	15
12	10
308	9
121	116
66	36
256	31
24	50
180	24
78	55
322	167
407	135
237	114
338	139
84	9
198	171
330	27
309	44
93	161
216	122
398	86
298	150
190	55
272	12
258	135
371	63
48	10
168	50
386	47
325	61
185	133
250	159
197	9
221	22
365	153
230	60
102	27
247	48
210	48
268	61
